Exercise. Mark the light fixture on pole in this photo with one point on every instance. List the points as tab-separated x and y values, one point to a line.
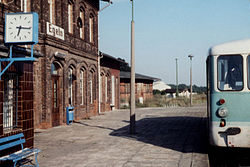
132	76
191	91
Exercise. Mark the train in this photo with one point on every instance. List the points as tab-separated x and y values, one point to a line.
228	94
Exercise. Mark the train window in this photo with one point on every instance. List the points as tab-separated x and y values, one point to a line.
230	72
248	71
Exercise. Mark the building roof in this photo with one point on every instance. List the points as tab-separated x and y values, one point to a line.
126	75
110	57
234	47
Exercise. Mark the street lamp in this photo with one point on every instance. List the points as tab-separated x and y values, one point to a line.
132	76
191	91
177	91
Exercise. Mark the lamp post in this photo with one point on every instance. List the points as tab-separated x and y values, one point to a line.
177	91
191	91
132	76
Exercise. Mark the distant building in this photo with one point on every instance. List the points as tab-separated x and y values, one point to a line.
143	87
109	83
160	85
182	93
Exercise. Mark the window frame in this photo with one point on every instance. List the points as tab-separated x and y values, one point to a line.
52	11
82	17
91	28
217	64
82	85
70	17
70	86
8	127
25	6
91	86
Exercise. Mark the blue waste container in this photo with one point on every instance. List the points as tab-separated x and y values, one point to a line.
70	115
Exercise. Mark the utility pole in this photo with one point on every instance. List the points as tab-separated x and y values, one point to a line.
177	91
132	76
191	91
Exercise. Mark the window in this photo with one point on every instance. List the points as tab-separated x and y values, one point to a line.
106	89
54	69
25	5
70	16
127	88
52	11
10	102
248	71
91	87
112	90
91	28
55	87
82	16
230	72
70	89
82	86
101	88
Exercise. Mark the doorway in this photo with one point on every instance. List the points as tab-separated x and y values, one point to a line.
55	95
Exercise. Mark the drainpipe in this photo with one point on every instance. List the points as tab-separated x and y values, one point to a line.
99	81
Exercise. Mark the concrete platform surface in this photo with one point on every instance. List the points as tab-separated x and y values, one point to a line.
166	137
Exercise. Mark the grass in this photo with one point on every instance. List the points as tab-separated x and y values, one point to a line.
163	101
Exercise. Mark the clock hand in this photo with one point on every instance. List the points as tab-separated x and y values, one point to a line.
27	28
19	29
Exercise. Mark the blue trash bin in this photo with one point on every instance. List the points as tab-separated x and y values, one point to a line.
70	115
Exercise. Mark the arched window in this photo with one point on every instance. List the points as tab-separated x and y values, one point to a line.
52	11
25	5
70	86
70	16
91	28
54	69
91	86
82	86
106	88
82	17
55	84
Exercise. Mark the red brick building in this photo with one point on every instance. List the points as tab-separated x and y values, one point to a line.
68	74
109	83
143	88
36	94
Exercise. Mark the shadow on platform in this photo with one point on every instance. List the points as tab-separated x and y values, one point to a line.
183	134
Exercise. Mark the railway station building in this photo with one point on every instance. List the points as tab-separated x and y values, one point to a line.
65	73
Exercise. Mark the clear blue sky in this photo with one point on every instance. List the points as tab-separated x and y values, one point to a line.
169	29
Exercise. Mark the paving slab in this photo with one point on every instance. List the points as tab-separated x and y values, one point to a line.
165	137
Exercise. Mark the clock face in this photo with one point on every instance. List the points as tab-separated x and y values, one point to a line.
19	28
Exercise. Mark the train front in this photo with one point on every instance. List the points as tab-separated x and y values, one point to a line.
229	94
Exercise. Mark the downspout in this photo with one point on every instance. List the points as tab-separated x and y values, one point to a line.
99	81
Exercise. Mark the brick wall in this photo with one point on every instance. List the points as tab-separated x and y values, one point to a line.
24	107
145	91
79	54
